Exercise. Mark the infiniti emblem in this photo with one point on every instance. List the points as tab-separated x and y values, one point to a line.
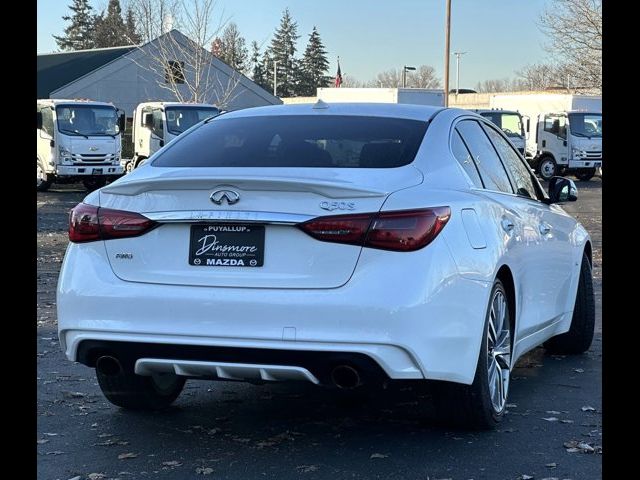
230	196
93	149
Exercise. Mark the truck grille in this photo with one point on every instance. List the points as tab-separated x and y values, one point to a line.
92	157
593	154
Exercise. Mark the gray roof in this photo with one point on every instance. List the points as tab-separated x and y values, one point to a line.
58	69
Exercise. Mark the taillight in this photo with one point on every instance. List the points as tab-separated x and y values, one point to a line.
403	231
88	223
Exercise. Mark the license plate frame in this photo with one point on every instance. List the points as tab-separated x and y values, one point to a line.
226	245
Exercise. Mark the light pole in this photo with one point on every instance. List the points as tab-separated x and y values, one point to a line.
275	77
406	69
458	55
447	36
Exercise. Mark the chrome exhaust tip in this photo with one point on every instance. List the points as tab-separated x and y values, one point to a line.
108	365
345	377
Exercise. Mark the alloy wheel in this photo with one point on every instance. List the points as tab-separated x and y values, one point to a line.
498	351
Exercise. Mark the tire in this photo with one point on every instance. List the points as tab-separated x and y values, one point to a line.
129	167
43	181
482	404
586	175
95	183
135	392
579	337
547	168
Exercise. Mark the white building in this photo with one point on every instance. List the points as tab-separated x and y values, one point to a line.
127	76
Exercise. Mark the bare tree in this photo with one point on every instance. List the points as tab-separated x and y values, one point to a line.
501	85
574	33
423	77
181	33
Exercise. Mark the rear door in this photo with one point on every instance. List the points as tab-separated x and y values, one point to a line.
228	196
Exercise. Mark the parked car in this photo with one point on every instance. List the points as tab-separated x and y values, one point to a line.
337	244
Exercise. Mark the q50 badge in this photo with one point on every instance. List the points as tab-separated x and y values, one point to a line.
331	206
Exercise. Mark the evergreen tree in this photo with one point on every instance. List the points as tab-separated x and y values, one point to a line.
258	73
130	28
110	30
267	68
283	50
233	50
313	67
79	34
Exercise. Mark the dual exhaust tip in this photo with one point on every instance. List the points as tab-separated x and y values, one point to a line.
343	376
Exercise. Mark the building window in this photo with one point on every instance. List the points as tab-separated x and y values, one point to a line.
174	72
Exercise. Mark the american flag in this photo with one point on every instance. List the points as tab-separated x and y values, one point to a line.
338	76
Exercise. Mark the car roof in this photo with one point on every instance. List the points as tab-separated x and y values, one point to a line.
392	110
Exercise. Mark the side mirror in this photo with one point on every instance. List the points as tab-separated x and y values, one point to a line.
148	120
122	122
562	190
39	120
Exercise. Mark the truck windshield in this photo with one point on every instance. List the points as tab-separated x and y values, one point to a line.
85	120
510	123
180	119
586	124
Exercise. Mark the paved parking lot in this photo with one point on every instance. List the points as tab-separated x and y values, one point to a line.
229	430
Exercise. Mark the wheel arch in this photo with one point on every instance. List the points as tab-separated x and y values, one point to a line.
139	160
588	251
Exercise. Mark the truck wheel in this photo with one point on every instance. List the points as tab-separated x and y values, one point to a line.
586	175
129	167
547	168
579	337
482	404
135	392
42	179
92	184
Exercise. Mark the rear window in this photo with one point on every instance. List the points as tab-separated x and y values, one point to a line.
329	141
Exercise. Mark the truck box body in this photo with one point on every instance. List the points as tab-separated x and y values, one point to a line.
414	96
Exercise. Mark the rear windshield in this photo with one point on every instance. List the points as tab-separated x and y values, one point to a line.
329	141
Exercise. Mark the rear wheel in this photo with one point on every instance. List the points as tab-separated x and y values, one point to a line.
92	184
481	405
135	392
42	179
579	337
586	175
547	168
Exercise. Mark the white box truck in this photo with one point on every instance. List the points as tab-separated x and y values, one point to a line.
77	140
155	124
415	96
565	133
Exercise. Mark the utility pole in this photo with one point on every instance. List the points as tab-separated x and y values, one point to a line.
447	37
458	55
275	77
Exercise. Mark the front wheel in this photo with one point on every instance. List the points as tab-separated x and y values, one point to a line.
92	184
42	179
586	175
481	405
135	392
547	168
580	335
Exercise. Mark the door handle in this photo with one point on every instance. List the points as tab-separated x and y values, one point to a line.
545	228
507	225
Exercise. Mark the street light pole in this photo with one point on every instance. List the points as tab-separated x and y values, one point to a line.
447	37
275	77
458	55
404	75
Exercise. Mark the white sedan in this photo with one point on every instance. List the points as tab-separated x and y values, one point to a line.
337	244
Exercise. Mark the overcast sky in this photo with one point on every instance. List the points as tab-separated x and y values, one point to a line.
500	36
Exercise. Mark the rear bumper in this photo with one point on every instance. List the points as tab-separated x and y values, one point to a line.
409	329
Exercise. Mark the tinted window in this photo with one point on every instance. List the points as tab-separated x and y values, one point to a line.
297	141
181	119
520	173
464	158
489	165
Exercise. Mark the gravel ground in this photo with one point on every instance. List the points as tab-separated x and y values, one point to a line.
230	430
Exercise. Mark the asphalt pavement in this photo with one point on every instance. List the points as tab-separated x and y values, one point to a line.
226	430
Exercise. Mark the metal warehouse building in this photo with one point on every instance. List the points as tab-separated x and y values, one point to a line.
127	76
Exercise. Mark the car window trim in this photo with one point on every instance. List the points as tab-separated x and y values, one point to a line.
451	133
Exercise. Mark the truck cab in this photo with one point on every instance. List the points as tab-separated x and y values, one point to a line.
77	140
511	123
155	124
569	142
